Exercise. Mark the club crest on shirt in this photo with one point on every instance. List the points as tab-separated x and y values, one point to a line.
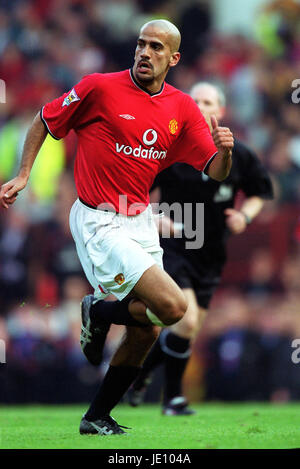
173	126
71	98
119	279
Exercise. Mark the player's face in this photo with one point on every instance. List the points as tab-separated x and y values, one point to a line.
153	57
207	99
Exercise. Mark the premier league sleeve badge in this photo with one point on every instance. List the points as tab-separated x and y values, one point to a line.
71	98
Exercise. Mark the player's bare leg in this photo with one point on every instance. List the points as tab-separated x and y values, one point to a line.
158	292
135	345
155	300
155	290
191	323
172	348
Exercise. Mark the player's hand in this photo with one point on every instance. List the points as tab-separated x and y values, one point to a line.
10	190
206	116
235	221
222	137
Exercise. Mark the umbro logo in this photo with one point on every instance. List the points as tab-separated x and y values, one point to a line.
127	116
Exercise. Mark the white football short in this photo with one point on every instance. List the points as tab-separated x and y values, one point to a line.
114	250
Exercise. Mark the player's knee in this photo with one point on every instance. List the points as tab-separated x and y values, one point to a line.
173	309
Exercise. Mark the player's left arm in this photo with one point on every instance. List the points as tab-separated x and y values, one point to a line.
220	166
237	220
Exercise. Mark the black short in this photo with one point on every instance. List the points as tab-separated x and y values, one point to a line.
203	281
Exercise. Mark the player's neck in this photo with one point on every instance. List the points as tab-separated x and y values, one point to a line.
152	88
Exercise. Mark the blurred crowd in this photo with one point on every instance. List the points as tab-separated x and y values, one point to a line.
46	46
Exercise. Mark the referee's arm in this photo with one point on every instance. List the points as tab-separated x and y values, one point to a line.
34	139
237	220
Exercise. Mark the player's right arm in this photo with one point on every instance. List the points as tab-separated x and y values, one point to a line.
197	146
33	142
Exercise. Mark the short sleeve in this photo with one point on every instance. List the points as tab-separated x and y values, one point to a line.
255	180
73	109
195	144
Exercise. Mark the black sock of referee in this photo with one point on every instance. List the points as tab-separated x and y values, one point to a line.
177	353
113	312
115	383
154	358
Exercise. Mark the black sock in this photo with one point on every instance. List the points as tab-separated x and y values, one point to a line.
113	312
177	354
115	383
153	359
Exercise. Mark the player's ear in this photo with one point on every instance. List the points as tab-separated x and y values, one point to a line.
174	59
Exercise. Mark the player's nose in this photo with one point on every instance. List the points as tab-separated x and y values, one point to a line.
145	52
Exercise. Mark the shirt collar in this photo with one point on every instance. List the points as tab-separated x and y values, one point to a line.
145	89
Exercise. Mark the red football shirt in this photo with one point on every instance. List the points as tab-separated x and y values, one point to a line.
126	136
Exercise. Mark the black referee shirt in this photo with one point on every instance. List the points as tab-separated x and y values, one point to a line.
184	184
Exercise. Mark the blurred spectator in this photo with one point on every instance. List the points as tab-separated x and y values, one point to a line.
262	276
233	355
287	174
14	255
52	247
277	26
246	350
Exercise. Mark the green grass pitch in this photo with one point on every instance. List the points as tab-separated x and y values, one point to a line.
246	426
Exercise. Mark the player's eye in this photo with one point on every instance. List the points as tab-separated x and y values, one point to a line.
156	46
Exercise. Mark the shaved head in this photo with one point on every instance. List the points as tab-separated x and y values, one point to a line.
156	51
173	36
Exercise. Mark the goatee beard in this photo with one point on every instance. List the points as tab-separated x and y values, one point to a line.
143	79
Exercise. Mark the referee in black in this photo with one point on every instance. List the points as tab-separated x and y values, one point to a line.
198	271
